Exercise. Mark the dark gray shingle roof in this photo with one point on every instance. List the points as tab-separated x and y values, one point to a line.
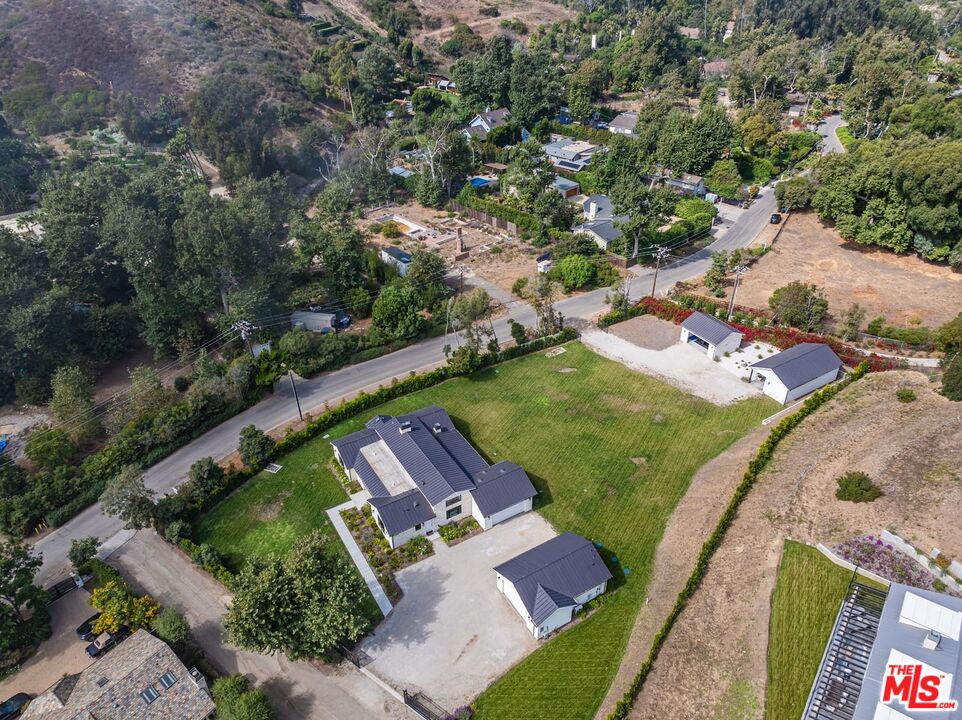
559	569
801	363
501	486
710	329
403	511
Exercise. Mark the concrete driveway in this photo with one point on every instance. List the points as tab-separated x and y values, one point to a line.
453	633
62	654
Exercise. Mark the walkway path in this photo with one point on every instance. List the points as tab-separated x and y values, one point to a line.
358	557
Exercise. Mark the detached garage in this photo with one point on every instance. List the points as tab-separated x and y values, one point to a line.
501	492
797	371
711	334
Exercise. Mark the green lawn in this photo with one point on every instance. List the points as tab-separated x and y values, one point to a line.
611	452
808	593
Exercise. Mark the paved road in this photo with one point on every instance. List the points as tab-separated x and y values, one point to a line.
297	690
279	408
827	129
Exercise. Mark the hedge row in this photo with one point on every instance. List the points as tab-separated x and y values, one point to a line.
758	463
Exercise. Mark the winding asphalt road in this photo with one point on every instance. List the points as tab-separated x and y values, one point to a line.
279	408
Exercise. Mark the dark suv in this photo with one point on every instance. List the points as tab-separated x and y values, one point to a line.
85	631
14	706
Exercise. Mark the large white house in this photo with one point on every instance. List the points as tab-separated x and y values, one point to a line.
549	583
421	473
795	372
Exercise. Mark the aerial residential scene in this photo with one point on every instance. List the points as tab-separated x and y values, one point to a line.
480	360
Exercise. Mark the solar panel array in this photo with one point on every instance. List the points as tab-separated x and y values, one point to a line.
840	677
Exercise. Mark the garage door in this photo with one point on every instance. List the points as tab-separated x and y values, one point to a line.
510	512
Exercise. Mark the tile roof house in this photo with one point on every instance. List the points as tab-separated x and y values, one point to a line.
624	123
421	473
140	679
549	583
797	371
601	222
711	334
485	122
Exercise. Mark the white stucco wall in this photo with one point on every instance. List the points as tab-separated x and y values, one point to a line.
559	618
777	390
811	386
487	523
398	540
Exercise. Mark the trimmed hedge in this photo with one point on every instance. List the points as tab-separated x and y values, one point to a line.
755	467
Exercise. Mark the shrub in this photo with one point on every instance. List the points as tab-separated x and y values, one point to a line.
254	447
176	530
518	286
943	561
390	229
905	395
181	383
518	332
857	487
172	628
81	552
952	379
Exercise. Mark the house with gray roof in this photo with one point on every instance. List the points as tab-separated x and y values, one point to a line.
891	656
397	257
624	123
600	221
549	583
710	334
420	472
140	679
484	123
796	372
568	154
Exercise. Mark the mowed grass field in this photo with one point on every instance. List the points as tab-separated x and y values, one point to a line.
611	452
808	594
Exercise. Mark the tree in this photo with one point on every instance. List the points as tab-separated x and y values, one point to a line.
255	447
576	271
536	87
794	193
518	332
716	274
426	275
471	314
724	179
72	403
952	378
376	67
171	627
302	604
237	700
119	606
646	210
395	312
799	305
359	302
852	321
542	294
948	338
49	447
205	476
128	498
23	614
81	552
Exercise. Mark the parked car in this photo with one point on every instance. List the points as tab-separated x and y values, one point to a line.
775	219
12	708
85	631
105	641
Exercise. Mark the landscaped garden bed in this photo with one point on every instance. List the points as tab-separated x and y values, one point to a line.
383	560
875	555
457	532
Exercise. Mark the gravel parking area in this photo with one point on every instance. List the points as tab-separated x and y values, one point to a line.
682	365
453	633
648	332
62	654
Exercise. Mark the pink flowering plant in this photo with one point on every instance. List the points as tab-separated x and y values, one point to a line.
872	553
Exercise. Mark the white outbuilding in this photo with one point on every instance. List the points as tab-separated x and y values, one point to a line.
795	372
550	582
711	334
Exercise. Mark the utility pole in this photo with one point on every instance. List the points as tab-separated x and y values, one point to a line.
739	271
290	374
661	253
245	329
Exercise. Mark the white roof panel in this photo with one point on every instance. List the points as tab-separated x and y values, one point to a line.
920	612
884	712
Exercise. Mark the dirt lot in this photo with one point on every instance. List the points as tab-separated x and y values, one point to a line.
648	332
717	651
904	289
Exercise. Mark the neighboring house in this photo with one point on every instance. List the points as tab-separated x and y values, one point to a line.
421	473
716	69
687	184
569	154
567	188
797	371
496	168
484	123
318	322
711	334
796	111
549	583
692	33
398	258
729	30
401	172
906	640
624	123
600	221
447	86
140	679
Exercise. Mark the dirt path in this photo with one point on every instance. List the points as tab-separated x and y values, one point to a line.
689	527
718	650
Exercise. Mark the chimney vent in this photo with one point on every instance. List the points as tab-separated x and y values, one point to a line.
932	640
437	428
405	427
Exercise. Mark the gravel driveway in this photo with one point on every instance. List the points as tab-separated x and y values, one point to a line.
453	632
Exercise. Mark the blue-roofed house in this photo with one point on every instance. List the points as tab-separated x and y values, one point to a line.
550	582
421	473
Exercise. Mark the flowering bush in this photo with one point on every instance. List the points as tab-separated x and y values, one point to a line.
875	555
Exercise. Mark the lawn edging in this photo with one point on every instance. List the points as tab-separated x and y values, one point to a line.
755	467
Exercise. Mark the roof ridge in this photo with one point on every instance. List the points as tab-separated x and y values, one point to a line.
560	557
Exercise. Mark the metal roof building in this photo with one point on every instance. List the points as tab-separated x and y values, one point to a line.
797	371
711	334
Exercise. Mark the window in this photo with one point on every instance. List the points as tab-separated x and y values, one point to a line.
453	512
168	679
453	501
417	527
150	694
